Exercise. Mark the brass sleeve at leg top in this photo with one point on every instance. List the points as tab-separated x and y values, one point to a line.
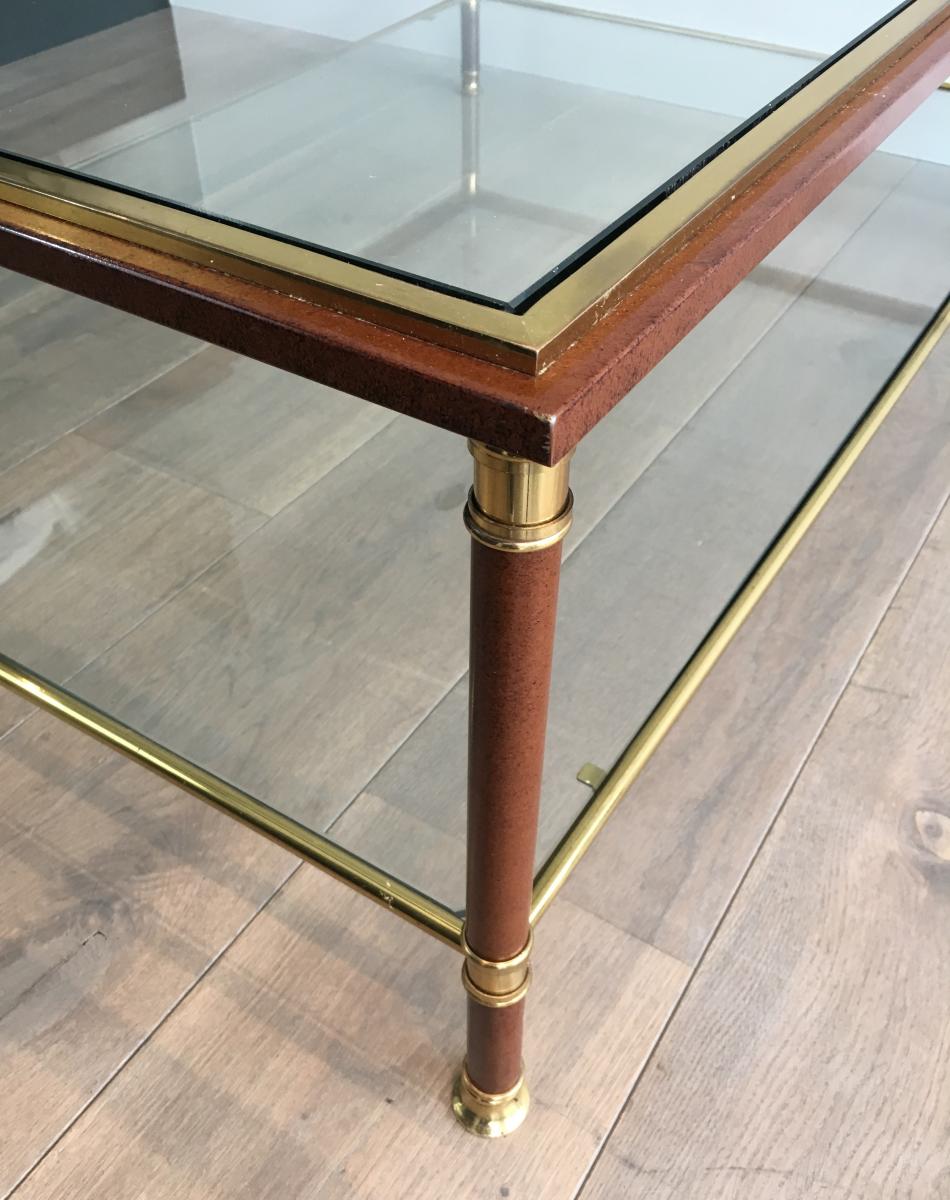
516	505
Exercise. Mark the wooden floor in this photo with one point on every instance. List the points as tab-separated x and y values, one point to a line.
741	993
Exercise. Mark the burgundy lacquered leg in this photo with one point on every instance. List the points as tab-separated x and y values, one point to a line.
518	513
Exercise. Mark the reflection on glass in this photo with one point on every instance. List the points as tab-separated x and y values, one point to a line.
370	138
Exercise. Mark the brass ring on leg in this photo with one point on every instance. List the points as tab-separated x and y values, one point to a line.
495	999
516	539
493	977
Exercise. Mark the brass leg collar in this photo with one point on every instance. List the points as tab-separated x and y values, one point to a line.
495	999
489	1114
496	984
517	505
517	539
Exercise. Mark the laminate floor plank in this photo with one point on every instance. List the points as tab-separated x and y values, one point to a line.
91	543
751	733
116	892
916	213
64	359
298	664
811	1055
317	1056
245	431
79	101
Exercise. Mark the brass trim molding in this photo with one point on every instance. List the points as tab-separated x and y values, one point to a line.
496	999
516	539
497	978
319	851
620	778
527	342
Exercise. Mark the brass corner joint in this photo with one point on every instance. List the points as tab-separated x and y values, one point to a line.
517	505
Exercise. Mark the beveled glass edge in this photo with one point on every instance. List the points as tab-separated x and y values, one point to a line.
527	342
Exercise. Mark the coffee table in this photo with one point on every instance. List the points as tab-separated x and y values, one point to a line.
495	216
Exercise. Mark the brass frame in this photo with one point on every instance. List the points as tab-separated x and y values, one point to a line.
528	342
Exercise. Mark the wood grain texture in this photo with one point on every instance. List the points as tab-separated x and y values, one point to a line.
810	1056
317	1059
335	629
316	1056
108	90
640	592
298	664
117	892
540	417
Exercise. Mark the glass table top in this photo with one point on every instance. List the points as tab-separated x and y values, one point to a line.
483	148
228	560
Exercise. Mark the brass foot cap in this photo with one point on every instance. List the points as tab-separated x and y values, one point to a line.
489	1114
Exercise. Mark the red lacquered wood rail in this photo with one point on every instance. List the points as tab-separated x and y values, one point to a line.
540	417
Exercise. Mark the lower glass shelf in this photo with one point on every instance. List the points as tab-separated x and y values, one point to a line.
259	575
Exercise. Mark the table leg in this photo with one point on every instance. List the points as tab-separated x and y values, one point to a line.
517	514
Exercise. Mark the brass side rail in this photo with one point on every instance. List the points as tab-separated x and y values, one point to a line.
315	849
618	780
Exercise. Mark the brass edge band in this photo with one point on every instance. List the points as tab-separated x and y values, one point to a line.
527	343
619	779
319	851
489	1114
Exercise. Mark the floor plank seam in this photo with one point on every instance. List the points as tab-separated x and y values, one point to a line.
163	469
75	429
31	712
582	1184
214	562
213	962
